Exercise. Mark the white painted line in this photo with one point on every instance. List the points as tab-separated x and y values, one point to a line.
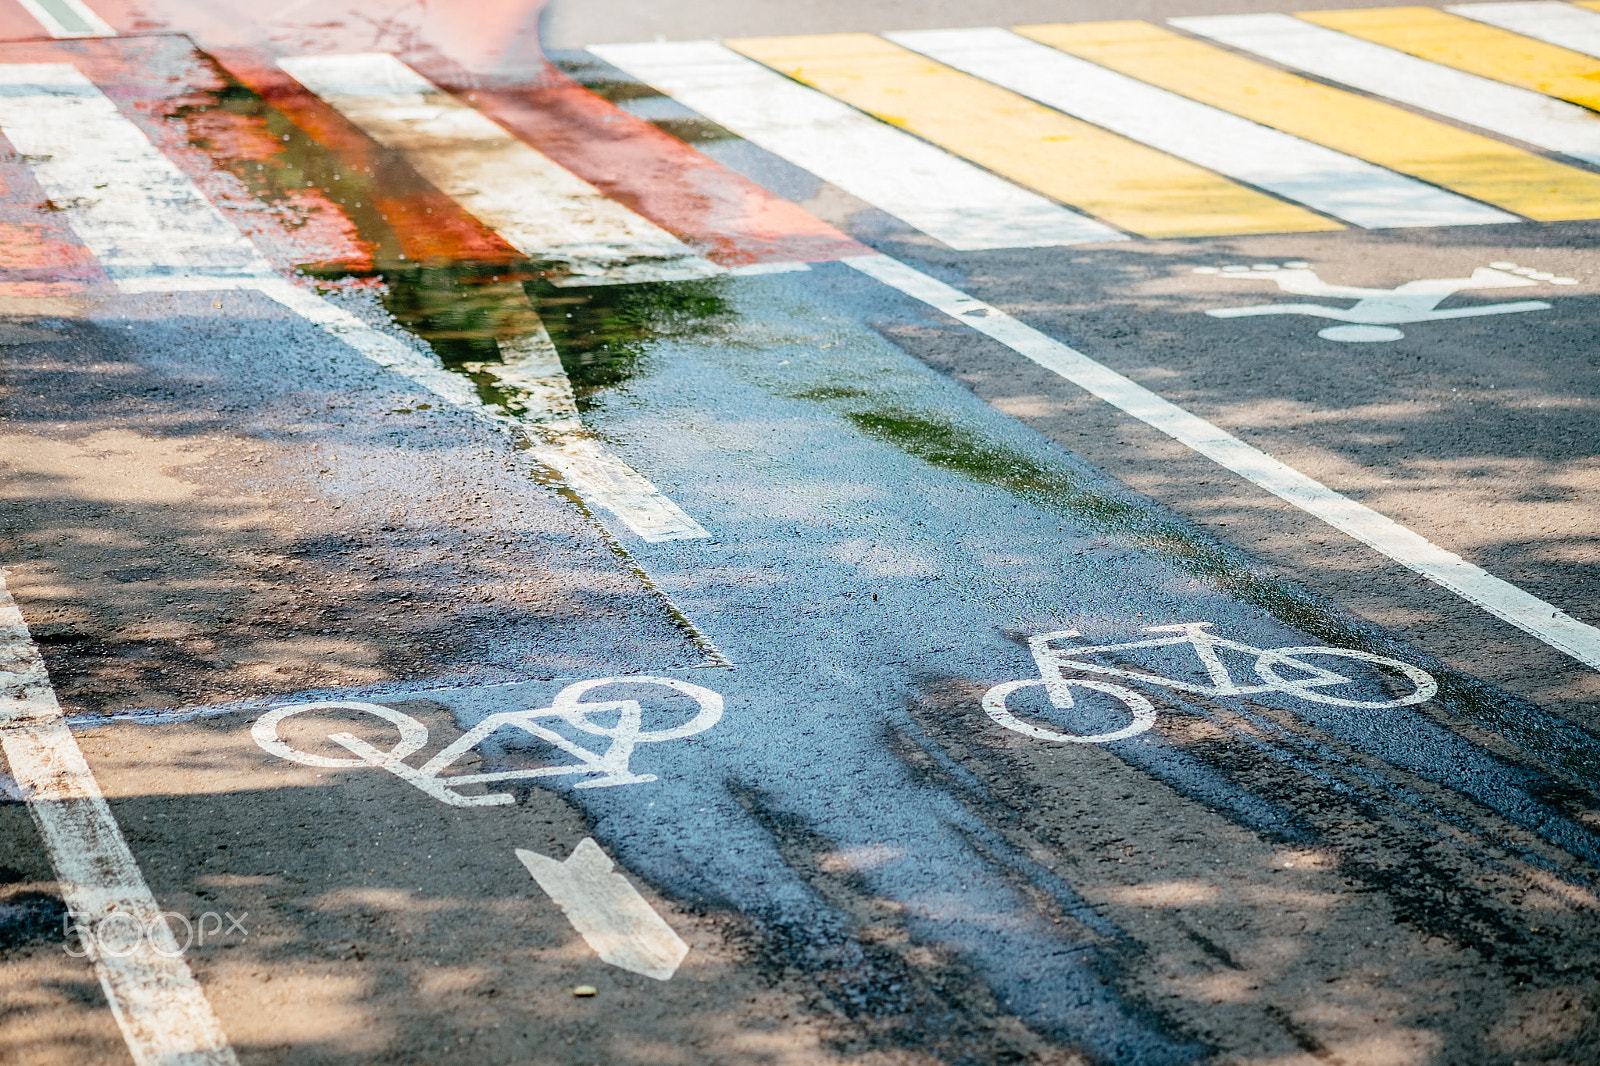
162	1011
1490	105
67	18
1544	20
947	198
143	219
1474	584
1336	184
154	231
607	911
540	208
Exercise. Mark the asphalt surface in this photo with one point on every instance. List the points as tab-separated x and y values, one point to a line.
214	510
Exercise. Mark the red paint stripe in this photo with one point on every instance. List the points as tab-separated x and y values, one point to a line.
428	225
39	254
16	24
173	95
722	215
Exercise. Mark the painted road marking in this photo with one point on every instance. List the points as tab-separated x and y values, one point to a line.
607	911
1376	311
1474	584
143	219
67	18
953	201
153	231
542	209
1331	182
1478	49
1382	133
163	1013
611	766
1414	79
1306	682
1550	21
1121	181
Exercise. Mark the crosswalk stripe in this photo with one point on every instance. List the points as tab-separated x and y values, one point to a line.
1487	51
67	18
153	231
1550	21
965	207
1466	97
86	154
1381	133
1110	177
1371	67
543	210
1331	182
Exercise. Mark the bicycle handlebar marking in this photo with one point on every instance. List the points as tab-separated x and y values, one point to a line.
612	765
1054	662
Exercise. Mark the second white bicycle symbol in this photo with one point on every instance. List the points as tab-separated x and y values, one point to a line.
1289	671
610	767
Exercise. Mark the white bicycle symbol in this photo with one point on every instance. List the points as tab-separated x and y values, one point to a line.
1311	681
612	765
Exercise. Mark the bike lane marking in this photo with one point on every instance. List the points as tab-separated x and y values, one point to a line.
152	230
162	1011
545	211
607	911
947	198
1358	57
1328	181
1506	601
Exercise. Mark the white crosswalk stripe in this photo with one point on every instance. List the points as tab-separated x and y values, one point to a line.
154	231
1544	20
1331	182
541	209
965	207
1490	105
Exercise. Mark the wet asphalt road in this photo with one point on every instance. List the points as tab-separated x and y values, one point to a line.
213	509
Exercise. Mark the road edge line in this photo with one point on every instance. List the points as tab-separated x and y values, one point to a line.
163	1012
1505	601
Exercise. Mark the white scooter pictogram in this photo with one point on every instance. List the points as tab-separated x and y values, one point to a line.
1377	312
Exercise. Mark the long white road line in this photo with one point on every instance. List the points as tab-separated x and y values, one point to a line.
1490	105
1474	584
1544	20
1328	181
542	209
947	198
67	18
164	1015
153	230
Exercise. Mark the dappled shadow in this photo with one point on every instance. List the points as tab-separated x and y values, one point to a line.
1404	923
192	519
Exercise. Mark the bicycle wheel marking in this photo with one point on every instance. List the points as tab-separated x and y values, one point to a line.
1311	681
610	767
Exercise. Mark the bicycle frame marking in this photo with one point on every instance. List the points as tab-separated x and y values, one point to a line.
612	766
1055	662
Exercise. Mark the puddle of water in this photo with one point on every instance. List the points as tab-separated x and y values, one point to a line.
603	332
637	98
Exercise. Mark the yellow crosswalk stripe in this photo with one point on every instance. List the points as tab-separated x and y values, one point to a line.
1381	133
1128	184
1473	47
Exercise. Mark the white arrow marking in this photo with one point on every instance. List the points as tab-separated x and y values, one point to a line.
607	911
